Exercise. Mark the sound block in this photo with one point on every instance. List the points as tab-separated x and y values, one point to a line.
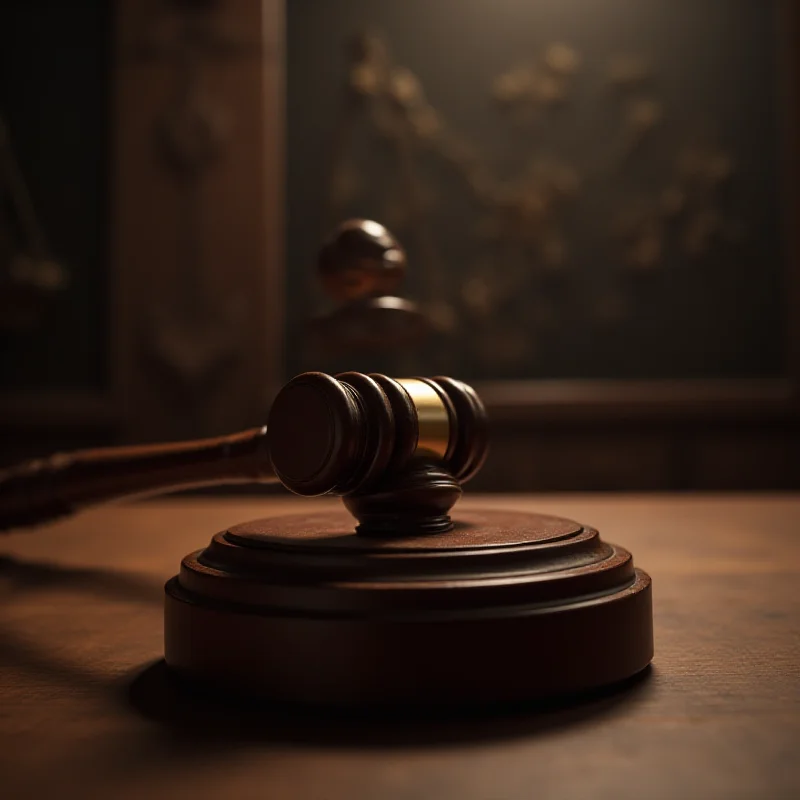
505	607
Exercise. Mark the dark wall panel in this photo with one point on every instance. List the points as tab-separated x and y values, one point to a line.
607	281
55	74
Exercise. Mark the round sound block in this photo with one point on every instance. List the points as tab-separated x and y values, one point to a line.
507	606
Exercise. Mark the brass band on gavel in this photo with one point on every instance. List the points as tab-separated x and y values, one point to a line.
432	418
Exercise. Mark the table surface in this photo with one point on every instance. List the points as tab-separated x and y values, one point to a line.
88	710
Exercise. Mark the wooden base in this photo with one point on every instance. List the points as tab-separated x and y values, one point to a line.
508	606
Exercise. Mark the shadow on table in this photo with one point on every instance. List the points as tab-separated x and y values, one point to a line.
24	575
197	715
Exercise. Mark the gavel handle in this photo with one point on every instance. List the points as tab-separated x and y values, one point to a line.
44	489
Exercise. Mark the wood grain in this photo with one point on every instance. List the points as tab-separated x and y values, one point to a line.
197	180
85	714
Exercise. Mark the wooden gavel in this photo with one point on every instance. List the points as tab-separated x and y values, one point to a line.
348	435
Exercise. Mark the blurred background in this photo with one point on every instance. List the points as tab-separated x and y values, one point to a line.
596	200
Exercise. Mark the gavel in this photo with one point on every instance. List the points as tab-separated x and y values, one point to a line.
395	449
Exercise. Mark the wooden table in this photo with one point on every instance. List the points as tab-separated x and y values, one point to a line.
86	709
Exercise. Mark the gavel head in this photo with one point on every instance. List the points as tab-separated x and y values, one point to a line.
342	435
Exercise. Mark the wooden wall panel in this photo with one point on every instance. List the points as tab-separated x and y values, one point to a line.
198	196
747	459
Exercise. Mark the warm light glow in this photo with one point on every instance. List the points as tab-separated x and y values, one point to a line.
373	228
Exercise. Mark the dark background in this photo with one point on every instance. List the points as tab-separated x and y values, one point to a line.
715	67
56	100
693	385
